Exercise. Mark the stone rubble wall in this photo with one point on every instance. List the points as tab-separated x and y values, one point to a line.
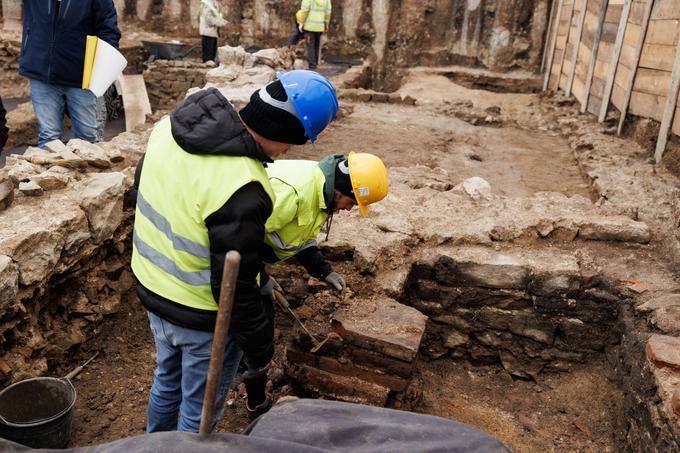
64	248
11	83
167	81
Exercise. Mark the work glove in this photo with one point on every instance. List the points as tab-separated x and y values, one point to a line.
269	287
335	280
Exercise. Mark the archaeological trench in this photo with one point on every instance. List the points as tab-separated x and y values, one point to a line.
520	277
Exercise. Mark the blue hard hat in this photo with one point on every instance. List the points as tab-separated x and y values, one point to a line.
313	98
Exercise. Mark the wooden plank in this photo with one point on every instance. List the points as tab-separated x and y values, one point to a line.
593	56
135	100
552	48
652	81
637	13
577	46
547	42
676	123
658	56
618	95
671	105
614	61
636	61
570	13
666	9
666	32
647	105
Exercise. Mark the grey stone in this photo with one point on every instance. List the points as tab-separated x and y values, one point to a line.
482	267
51	180
455	339
617	228
6	192
30	188
477	188
91	153
20	170
101	199
268	57
231	55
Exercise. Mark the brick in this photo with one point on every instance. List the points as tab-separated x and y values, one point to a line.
383	325
345	367
343	388
664	350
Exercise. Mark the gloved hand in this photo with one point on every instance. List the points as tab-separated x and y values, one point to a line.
269	287
335	280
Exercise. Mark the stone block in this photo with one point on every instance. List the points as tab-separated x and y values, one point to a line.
667	320
231	55
394	98
91	153
268	57
393	282
383	325
51	180
102	200
6	192
455	339
408	100
576	335
344	367
482	267
30	189
477	188
380	97
615	228
664	351
371	359
343	388
663	301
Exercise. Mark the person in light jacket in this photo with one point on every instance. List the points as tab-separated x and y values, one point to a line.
210	20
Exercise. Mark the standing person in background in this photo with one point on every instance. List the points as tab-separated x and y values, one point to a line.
315	17
299	34
52	58
210	19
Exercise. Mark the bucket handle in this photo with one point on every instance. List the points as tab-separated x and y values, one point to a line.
37	422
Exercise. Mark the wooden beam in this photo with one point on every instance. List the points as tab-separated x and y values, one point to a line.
577	47
615	60
636	63
552	47
547	42
593	56
671	105
566	41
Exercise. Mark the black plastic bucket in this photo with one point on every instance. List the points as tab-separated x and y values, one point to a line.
38	412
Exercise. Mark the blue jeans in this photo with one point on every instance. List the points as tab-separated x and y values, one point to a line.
49	104
182	359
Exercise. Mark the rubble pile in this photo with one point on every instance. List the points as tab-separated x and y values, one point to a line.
24	125
167	81
64	245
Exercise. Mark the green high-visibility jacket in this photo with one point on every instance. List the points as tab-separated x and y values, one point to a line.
300	208
315	14
171	248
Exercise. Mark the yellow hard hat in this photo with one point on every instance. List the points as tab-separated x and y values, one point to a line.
369	179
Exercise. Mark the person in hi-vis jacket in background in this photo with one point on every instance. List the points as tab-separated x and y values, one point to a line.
315	17
210	20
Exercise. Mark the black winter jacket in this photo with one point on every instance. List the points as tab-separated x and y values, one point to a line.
4	132
205	123
54	36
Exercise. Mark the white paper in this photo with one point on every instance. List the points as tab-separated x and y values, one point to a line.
108	65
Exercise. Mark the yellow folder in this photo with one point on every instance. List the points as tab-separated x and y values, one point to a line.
103	65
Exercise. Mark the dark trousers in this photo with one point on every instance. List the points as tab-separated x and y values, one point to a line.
297	36
313	44
209	45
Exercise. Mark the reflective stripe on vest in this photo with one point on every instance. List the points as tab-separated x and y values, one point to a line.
178	191
299	208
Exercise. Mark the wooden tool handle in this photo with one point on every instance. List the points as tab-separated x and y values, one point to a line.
227	289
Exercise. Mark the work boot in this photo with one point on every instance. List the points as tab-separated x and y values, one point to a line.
258	410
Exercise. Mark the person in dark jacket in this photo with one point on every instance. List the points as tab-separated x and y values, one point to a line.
4	132
52	58
202	190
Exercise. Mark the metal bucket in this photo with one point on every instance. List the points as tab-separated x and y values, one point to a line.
38	412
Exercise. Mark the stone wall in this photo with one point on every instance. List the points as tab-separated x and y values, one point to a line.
64	248
167	81
11	83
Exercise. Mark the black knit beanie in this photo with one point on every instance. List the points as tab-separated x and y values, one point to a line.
272	122
343	183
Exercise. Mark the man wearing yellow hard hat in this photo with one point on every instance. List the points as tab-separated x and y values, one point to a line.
308	193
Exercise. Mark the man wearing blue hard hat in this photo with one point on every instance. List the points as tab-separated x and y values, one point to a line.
202	190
